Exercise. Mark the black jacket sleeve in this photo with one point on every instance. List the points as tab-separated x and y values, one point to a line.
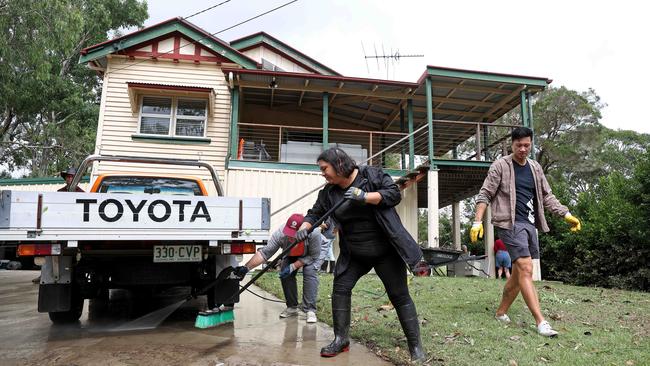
385	185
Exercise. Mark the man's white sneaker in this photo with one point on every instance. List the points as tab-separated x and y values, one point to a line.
289	312
544	328
502	318
311	317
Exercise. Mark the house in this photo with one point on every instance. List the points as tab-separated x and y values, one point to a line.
261	111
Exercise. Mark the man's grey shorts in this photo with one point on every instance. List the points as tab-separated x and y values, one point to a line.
521	241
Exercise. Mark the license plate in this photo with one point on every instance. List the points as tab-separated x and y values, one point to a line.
177	253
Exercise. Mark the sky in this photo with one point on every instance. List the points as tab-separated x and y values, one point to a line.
579	44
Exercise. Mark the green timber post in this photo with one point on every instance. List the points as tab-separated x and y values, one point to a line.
430	118
485	142
326	102
234	119
409	116
524	109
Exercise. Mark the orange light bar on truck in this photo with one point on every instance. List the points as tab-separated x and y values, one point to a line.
238	248
29	250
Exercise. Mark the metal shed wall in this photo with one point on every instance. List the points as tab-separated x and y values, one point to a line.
283	186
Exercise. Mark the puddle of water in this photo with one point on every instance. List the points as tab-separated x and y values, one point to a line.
151	320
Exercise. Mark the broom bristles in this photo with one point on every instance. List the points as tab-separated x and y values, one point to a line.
213	318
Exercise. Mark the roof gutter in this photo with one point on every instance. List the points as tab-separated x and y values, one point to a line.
320	77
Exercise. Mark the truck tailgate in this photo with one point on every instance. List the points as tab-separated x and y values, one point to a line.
99	216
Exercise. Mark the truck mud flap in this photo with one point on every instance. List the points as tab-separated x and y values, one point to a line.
54	298
57	270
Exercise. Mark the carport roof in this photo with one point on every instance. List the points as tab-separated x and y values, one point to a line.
323	83
469	95
368	103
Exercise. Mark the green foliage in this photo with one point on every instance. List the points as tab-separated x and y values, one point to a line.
572	145
445	231
392	161
613	248
49	102
566	125
621	151
423	230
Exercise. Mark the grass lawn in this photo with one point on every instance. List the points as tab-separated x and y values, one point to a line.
597	326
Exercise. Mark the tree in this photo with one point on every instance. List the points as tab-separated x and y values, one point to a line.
423	227
613	248
444	228
568	134
620	151
48	101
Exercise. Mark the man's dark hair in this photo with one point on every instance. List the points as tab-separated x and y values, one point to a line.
520	133
341	162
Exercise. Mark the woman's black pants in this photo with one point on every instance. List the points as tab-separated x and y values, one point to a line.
392	271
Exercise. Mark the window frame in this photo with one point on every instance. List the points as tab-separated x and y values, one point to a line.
173	116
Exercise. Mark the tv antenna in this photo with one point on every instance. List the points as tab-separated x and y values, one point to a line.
389	59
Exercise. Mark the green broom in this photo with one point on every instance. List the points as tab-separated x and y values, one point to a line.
213	318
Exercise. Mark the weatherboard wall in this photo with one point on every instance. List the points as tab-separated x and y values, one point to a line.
118	123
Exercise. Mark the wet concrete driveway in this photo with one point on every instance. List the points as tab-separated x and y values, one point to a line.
257	337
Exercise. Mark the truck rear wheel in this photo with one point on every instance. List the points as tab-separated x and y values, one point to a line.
72	315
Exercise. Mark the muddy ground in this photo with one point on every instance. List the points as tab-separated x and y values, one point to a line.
257	336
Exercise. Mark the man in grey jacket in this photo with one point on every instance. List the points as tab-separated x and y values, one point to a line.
518	193
307	256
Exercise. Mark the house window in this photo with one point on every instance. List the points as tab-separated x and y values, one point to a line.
173	116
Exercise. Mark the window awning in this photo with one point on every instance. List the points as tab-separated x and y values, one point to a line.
137	89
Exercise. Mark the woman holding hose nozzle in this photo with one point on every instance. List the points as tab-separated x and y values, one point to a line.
371	236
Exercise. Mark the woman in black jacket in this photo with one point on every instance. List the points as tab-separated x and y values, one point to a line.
371	236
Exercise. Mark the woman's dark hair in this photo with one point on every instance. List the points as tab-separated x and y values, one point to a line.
341	162
521	132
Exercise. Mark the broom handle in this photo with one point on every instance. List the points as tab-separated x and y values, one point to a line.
286	251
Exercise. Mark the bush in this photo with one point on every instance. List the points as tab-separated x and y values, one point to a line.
613	248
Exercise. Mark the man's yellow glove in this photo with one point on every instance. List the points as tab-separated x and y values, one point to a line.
573	221
476	231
